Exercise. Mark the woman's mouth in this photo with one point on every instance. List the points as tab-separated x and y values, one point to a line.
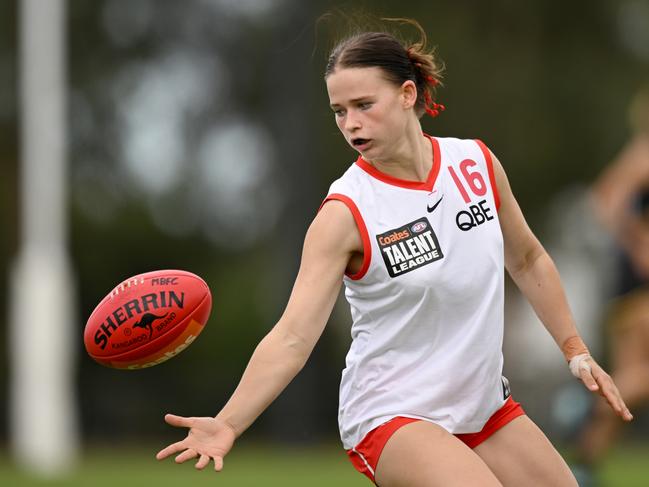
360	144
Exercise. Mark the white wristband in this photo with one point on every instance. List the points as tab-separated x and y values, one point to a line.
579	363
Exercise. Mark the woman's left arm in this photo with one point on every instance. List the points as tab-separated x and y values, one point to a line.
535	274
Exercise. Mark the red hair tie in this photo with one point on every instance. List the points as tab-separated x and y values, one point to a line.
433	109
432	81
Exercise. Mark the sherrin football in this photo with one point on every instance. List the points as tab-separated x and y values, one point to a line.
147	319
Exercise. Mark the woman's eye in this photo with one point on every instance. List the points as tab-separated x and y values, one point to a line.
339	113
364	106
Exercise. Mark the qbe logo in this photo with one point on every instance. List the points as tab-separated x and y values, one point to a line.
409	247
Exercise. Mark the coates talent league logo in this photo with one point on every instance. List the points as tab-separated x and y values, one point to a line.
409	247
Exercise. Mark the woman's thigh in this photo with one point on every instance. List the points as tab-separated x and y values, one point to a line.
422	454
520	454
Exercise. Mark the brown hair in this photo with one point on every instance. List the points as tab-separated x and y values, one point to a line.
399	60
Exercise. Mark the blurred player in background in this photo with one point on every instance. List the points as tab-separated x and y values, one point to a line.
621	203
420	230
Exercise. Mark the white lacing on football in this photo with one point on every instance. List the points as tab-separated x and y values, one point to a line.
579	363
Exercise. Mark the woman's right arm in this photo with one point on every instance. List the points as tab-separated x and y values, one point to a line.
330	242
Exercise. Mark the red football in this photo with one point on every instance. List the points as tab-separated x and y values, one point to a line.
148	319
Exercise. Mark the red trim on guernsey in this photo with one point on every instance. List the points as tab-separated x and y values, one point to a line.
360	223
365	456
404	183
490	169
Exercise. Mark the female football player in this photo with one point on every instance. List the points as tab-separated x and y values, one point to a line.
420	230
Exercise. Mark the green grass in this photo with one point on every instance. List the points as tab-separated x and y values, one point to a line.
255	466
626	467
244	467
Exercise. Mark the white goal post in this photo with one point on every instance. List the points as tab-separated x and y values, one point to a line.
43	407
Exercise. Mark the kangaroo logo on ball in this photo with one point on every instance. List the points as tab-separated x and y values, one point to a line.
147	320
146	323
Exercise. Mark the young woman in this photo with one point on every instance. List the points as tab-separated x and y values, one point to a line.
420	230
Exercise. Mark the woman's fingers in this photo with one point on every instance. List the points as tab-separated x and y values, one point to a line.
170	450
626	415
614	398
179	421
203	462
205	436
599	381
186	455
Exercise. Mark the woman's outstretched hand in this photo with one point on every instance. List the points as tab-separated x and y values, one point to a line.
598	381
208	439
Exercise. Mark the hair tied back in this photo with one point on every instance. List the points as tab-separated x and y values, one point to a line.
427	71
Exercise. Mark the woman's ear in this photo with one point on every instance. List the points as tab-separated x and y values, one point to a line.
409	94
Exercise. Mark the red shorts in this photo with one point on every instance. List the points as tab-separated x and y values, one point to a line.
365	455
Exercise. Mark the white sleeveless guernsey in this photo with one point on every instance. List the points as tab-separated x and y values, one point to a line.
427	303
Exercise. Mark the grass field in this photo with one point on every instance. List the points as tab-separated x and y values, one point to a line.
244	466
258	466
